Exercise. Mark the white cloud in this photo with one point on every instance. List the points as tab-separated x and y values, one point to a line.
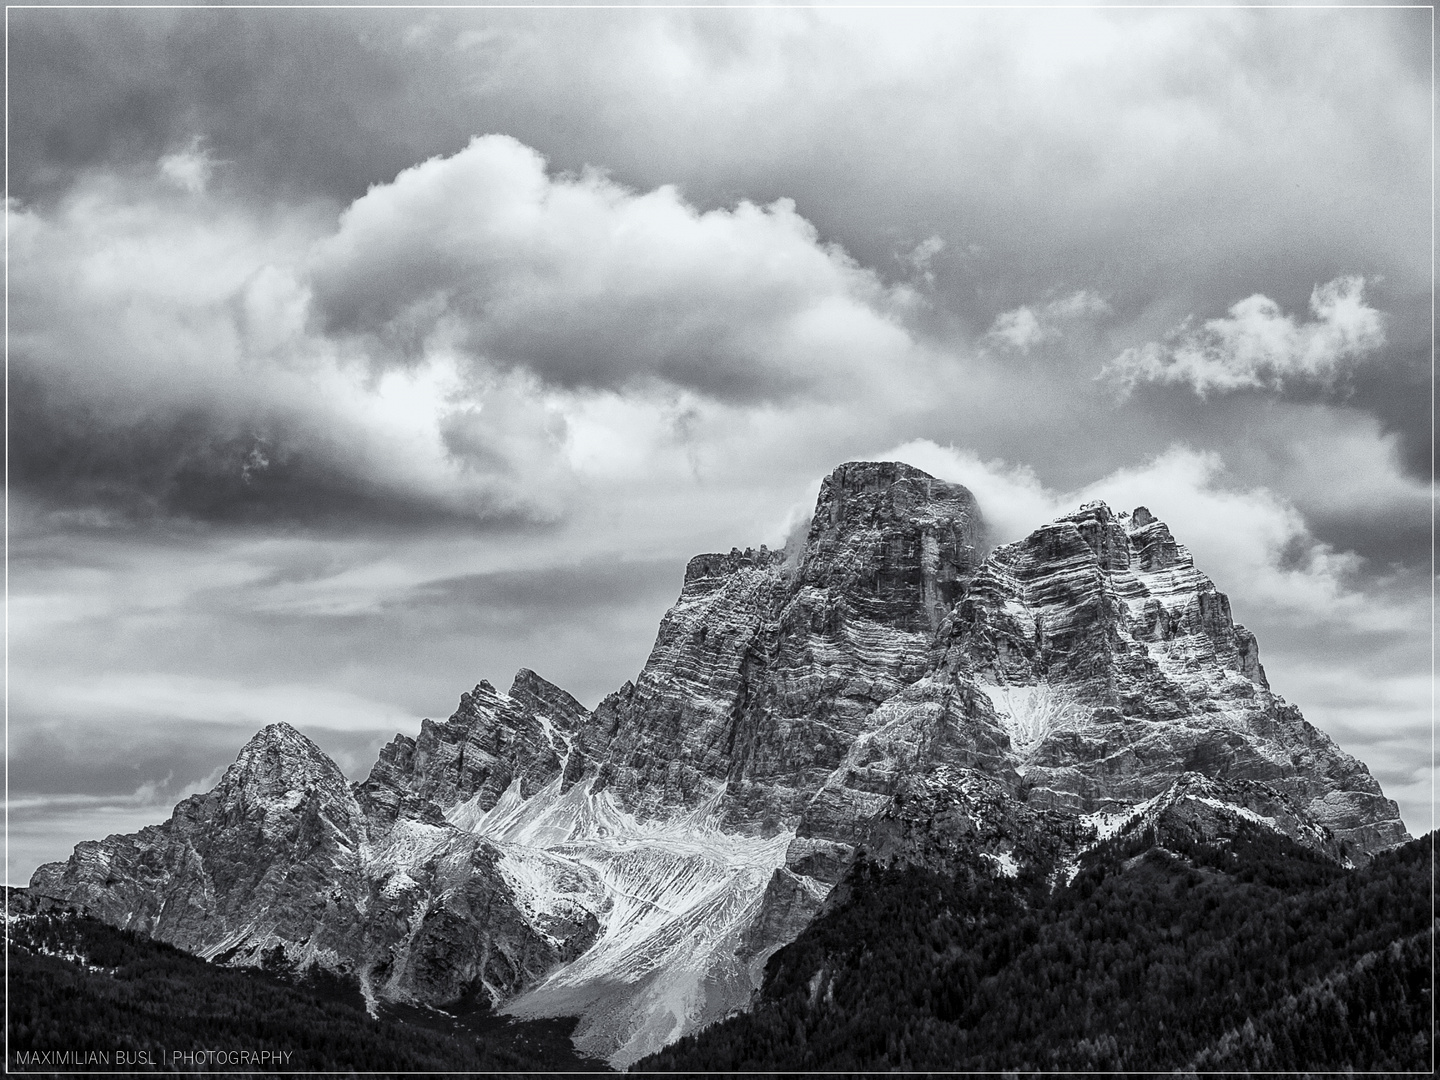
197	318
1025	327
189	168
561	328
922	257
590	284
1257	345
1020	329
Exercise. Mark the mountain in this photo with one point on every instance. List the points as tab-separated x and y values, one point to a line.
887	689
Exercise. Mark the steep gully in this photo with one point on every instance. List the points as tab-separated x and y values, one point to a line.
888	686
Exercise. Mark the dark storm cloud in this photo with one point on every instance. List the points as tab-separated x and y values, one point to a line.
1308	104
201	465
1395	386
1385	539
295	101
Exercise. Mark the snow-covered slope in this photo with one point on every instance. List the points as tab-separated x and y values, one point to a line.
674	897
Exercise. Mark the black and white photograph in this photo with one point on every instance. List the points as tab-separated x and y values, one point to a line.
719	538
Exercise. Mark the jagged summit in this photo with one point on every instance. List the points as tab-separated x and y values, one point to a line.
281	763
1115	665
891	686
545	697
896	542
866	494
280	753
491	741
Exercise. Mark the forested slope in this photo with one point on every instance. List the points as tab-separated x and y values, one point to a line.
1164	952
78	984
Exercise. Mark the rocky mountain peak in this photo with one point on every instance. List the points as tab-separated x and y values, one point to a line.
863	495
491	741
705	572
279	761
547	699
895	541
278	735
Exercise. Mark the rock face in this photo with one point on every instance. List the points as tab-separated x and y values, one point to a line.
1115	667
280	864
888	686
491	742
768	669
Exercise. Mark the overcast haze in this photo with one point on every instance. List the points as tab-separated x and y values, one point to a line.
356	356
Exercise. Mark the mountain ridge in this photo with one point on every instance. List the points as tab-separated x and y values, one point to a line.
887	688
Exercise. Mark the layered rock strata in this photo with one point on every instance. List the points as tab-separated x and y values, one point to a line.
1115	666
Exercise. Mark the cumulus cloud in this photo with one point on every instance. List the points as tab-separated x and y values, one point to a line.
1256	345
463	344
1026	327
590	284
164	364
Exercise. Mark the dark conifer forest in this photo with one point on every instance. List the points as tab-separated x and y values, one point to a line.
1163	953
79	984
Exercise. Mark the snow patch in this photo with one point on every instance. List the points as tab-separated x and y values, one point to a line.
1239	811
1030	714
1005	864
398	883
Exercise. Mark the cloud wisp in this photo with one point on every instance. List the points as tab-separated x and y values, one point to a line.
1255	542
1257	346
1027	327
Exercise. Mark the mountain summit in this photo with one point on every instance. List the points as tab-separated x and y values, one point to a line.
887	688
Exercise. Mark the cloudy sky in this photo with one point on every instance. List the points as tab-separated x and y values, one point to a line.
358	355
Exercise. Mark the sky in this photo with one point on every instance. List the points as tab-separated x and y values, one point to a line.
356	356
